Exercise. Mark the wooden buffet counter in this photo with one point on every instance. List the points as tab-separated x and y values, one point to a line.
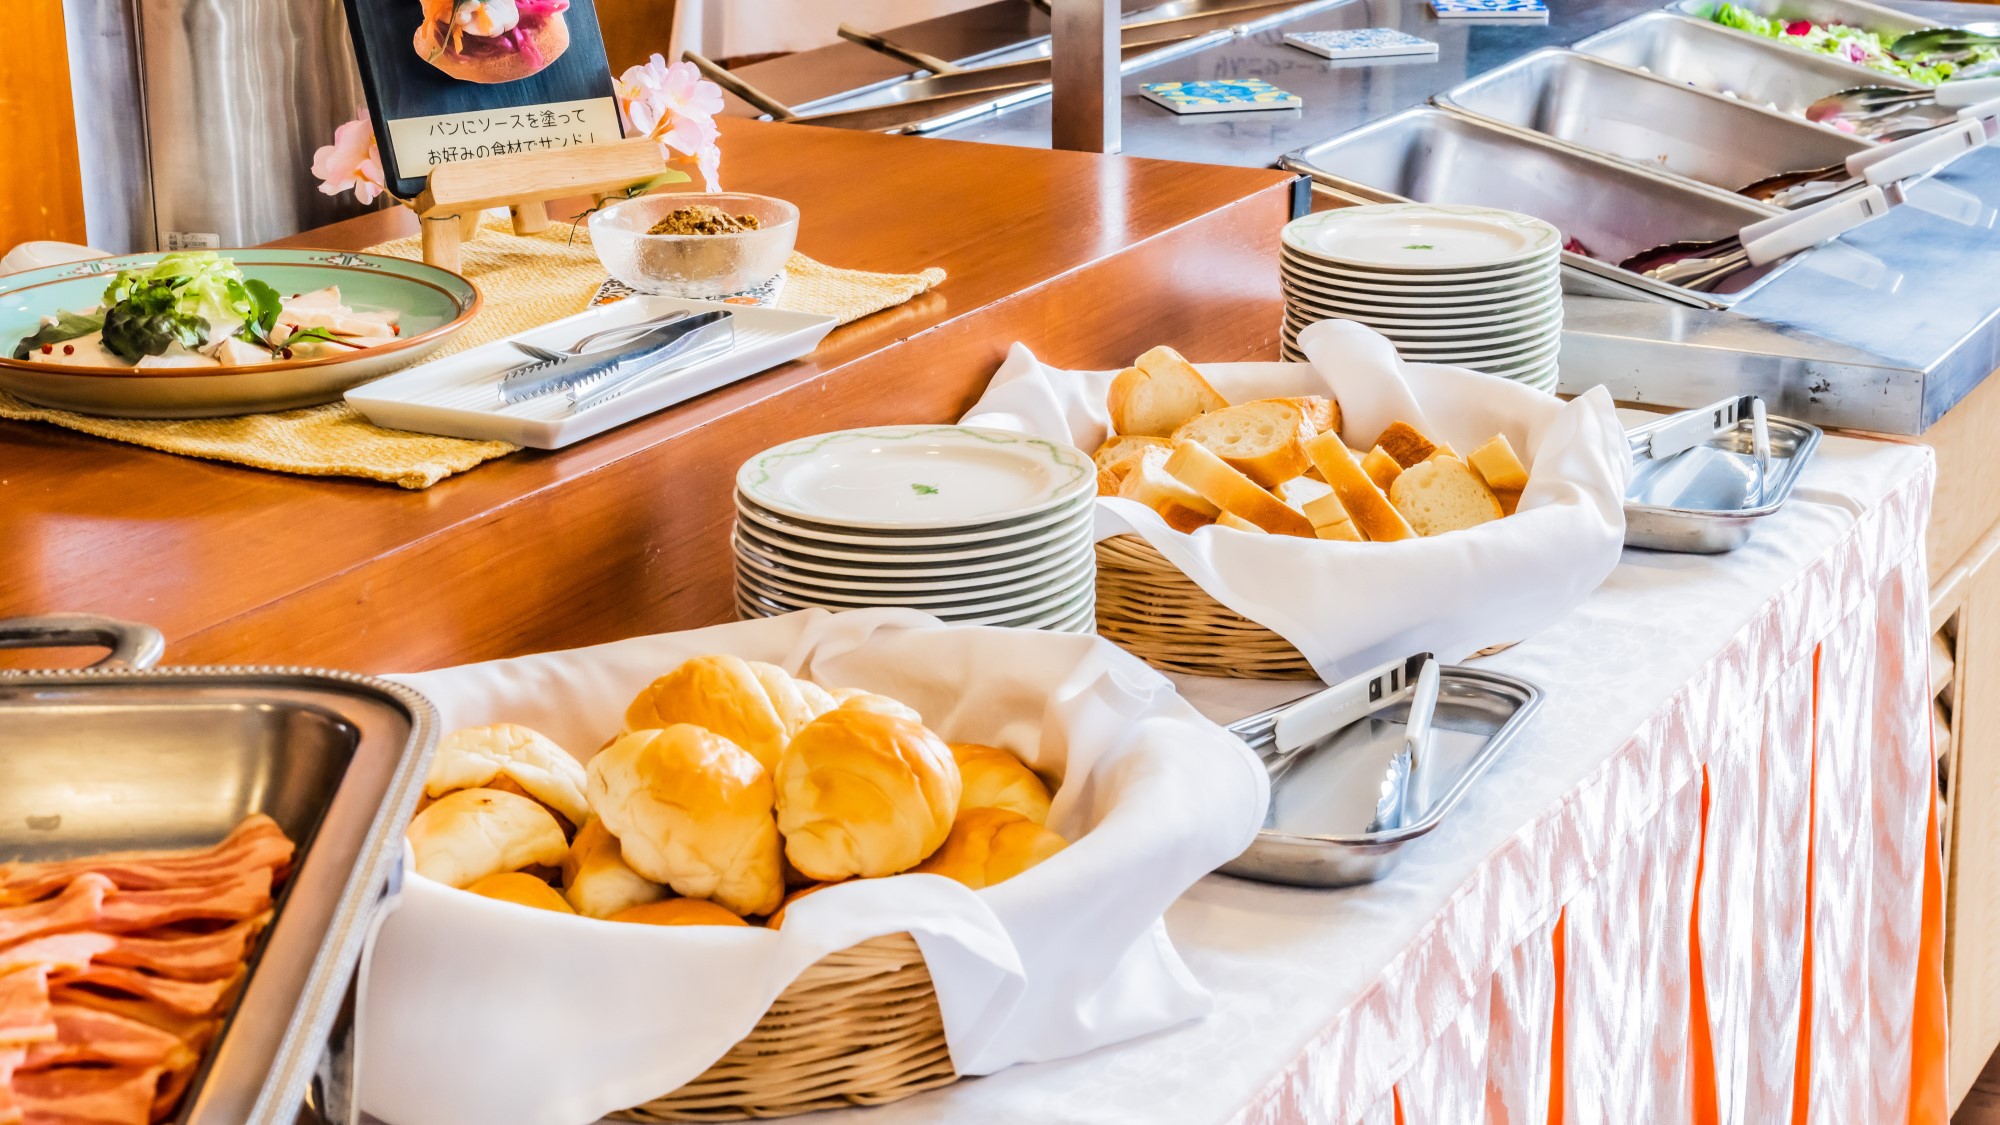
1088	259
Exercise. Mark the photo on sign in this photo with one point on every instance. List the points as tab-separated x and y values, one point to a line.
456	80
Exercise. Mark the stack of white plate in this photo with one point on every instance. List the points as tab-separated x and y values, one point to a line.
974	526
1469	286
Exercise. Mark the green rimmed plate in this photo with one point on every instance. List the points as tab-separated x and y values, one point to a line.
431	304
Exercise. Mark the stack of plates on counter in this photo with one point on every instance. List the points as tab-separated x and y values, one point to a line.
974	526
1469	286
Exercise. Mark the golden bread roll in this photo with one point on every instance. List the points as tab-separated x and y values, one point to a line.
679	912
989	846
727	695
691	809
522	890
465	836
777	918
855	699
596	879
991	778
864	793
475	757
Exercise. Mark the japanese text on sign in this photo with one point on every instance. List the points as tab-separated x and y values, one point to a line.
423	143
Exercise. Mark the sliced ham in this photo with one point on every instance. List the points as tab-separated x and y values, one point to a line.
188	997
26	1017
84	1095
56	953
87	1035
245	896
76	908
257	842
184	956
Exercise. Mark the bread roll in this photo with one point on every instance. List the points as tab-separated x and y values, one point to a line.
522	890
988	846
679	912
1407	444
864	793
1366	506
1443	495
1265	441
465	836
1497	465
474	757
693	810
855	699
777	918
596	879
1198	468
991	778
1158	393
727	695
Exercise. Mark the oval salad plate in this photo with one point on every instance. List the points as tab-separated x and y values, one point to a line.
430	304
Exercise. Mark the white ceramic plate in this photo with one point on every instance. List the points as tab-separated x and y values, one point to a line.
1071	511
1439	306
990	582
1035	596
973	570
1033	616
985	554
1387	324
1436	313
459	395
1420	236
1292	263
915	477
809	528
1527	321
1375	290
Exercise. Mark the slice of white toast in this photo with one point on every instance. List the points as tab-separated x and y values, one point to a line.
1158	393
1442	495
1265	441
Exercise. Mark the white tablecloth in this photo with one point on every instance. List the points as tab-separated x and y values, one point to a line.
1595	816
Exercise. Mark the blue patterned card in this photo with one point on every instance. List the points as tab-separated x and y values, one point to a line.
1490	9
1360	43
1233	96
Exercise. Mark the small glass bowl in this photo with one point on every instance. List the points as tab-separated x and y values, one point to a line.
694	265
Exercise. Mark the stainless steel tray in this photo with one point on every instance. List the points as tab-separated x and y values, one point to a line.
1315	833
1856	13
1621	112
1706	501
116	758
1723	61
1616	209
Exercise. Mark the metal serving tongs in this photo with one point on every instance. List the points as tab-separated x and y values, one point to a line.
887	116
599	376
1406	782
1691	429
1859	103
1701	265
1942	41
1923	154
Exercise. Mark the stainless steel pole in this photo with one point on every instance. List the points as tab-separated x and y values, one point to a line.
1085	51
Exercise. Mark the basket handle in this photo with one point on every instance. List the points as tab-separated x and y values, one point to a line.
132	644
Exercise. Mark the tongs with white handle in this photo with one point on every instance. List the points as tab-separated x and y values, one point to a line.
1916	156
1691	429
1701	265
1309	722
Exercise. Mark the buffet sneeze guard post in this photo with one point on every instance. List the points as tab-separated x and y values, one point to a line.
1084	46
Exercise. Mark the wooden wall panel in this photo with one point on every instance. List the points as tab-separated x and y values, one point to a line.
41	195
636	29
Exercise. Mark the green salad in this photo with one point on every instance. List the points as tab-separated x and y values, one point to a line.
1850	43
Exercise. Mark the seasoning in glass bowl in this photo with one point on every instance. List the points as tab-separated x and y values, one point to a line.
702	219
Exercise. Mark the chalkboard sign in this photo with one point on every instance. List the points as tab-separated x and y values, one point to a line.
451	80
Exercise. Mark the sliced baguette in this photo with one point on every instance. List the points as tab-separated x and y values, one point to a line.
1265	441
1198	468
1443	495
1381	468
1445	452
1497	465
1301	491
1150	484
1330	519
1108	482
1366	506
1158	393
1510	500
1231	519
1118	454
1406	444
1322	412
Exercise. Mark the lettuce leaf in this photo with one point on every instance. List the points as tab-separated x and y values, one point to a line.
68	326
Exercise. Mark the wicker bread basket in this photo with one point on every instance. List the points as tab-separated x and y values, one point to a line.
1147	607
859	1027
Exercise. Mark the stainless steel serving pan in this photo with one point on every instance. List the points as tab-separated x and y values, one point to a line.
1315	834
1621	112
1708	500
1854	13
1724	61
118	757
1615	209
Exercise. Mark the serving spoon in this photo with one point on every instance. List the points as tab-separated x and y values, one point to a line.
1702	264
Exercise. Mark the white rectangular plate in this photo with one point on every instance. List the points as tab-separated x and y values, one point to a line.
459	395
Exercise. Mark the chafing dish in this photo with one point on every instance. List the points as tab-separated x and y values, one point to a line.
1613	208
1715	58
1705	494
1856	13
1620	112
1316	833
121	756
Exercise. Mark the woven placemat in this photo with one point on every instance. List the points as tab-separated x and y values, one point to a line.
525	281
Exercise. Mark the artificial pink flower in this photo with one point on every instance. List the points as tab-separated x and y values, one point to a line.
351	162
676	106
